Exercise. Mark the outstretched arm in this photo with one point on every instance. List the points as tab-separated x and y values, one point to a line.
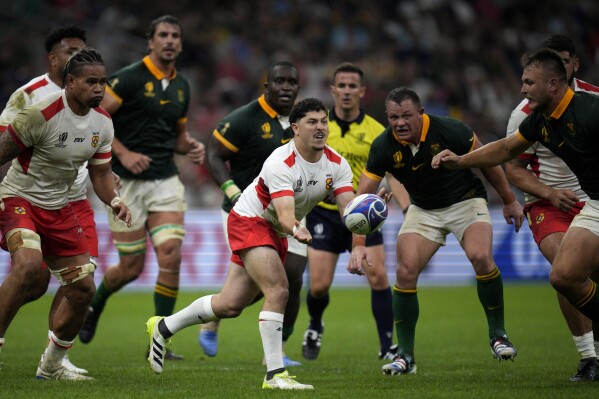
489	155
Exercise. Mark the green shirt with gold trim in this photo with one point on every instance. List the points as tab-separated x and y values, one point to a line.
352	140
572	133
148	115
252	132
428	188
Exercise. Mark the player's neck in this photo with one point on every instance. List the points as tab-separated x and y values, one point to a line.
55	77
77	107
347	115
309	155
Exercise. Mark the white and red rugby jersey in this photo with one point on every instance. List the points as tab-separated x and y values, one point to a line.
56	143
286	173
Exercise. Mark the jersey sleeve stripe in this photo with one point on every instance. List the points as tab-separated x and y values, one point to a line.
112	94
224	141
473	143
16	138
284	193
372	176
342	190
522	138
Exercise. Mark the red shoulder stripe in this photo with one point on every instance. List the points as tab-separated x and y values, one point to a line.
331	156
290	161
102	111
53	109
31	88
587	86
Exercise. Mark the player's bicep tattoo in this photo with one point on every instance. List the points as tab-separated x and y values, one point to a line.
8	148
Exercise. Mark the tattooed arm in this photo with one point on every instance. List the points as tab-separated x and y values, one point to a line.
8	148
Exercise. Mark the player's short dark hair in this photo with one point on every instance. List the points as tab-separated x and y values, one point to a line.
400	94
303	107
560	43
549	60
167	19
271	69
69	32
351	68
80	59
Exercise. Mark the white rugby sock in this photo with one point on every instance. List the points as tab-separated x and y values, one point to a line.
585	345
54	353
271	332
199	312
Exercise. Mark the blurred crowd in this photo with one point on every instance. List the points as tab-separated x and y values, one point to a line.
462	57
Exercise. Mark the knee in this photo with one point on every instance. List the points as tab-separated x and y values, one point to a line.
278	294
559	279
130	269
407	275
81	292
169	254
482	261
319	288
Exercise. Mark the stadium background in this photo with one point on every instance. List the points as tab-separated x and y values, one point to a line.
462	57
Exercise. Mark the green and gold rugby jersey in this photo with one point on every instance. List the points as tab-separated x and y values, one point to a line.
572	133
252	132
148	115
428	188
352	140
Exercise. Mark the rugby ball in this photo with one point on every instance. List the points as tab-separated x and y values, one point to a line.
365	214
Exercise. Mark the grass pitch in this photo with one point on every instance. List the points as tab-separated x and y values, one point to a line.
452	352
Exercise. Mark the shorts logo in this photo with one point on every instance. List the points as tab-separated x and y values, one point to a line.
19	210
540	218
329	183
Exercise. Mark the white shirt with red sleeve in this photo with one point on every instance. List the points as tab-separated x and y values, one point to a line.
31	93
546	166
286	173
55	143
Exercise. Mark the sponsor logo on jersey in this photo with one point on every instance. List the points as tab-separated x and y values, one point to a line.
329	183
397	157
149	86
285	141
181	95
95	139
298	185
266	131
545	135
435	149
19	210
61	139
571	129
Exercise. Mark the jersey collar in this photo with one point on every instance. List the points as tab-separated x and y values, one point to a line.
267	108
158	74
426	123
563	104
